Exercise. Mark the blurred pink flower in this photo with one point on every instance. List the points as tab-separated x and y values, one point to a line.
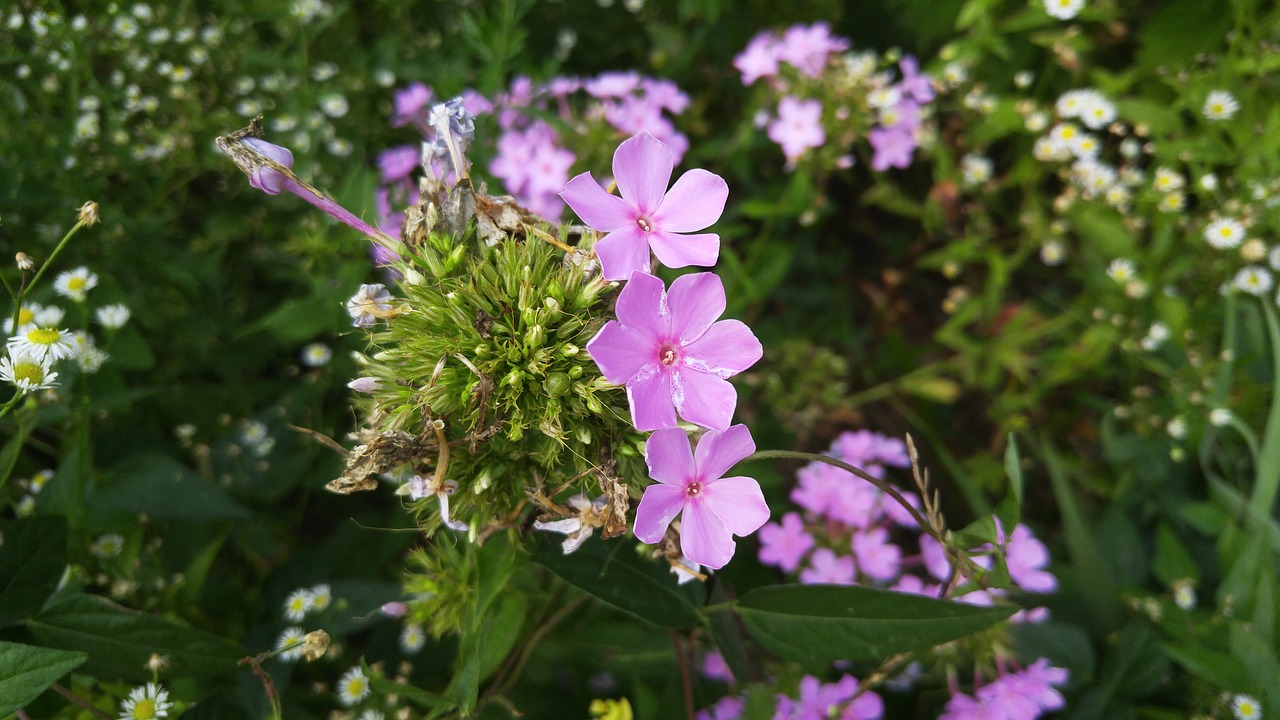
784	546
715	508
798	126
877	558
893	148
828	568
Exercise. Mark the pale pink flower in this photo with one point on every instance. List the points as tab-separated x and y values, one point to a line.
825	567
798	126
784	545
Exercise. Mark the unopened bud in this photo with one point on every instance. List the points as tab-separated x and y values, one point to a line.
314	645
25	263
365	384
89	213
158	663
395	609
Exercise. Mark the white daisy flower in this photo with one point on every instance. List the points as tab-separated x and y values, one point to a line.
298	604
976	169
1219	417
253	432
113	316
372	714
1063	9
1046	149
1177	428
1155	337
1167	180
353	687
321	597
1208	182
290	643
1220	105
316	355
147	702
884	97
1086	146
1121	270
1118	196
1097	111
1224	233
1184	594
1172	202
1052	253
1130	148
75	283
1070	104
26	507
43	343
412	638
39	480
1253	279
108	545
1037	121
368	304
335	106
1245	707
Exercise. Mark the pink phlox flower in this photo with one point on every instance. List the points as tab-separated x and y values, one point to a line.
914	83
475	103
934	557
854	502
398	163
759	59
549	169
665	94
1025	557
893	148
409	104
649	215
785	545
612	84
726	708
914	586
904	116
563	86
1038	681
1031	616
798	126
512	103
1005	697
898	514
634	115
715	667
673	357
807	47
820	701
714	508
818	489
419	487
963	707
877	558
825	567
892	451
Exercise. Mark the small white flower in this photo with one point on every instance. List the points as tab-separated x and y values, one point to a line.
1177	428
1037	121
1224	233
1070	104
321	596
372	714
1097	111
365	384
298	604
147	702
384	78
1184	594
1220	105
1167	180
290	644
335	106
419	487
1130	148
253	432
353	687
579	528
43	344
1220	417
316	355
1172	202
125	27
26	507
1052	253
1121	270
113	317
1155	337
1245	707
75	283
412	638
368	304
1023	79
1208	182
107	546
976	169
39	480
1063	9
1253	279
682	575
323	71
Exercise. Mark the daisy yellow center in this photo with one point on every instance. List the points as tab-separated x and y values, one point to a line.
145	709
44	336
75	283
25	316
31	372
1226	232
355	686
644	223
1068	133
1218	107
298	605
693	489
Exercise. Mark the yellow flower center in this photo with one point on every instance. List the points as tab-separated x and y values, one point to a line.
355	686
31	372
25	316
75	284
44	336
145	709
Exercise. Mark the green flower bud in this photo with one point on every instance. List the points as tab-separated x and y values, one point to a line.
569	350
583	433
535	337
575	372
558	384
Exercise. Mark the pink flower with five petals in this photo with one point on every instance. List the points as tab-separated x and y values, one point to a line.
715	508
648	215
671	354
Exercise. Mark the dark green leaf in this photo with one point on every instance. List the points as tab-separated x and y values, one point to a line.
1065	645
612	572
33	555
1173	562
421	698
119	641
160	486
727	633
26	671
1013	470
822	623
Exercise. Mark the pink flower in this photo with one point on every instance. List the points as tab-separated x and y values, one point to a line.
671	354
648	215
935	558
914	83
893	148
715	508
817	490
1005	693
877	558
963	707
759	59
820	702
1038	681
398	163
1025	556
828	568
409	104
808	47
715	667
726	708
784	545
798	127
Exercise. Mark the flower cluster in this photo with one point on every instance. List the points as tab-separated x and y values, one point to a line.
669	349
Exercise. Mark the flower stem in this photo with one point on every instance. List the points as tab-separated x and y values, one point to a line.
25	288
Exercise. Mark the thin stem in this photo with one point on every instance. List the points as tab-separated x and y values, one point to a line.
256	664
1268	463
17	395
80	701
684	674
52	256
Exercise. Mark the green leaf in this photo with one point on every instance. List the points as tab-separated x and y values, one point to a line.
613	573
421	698
33	556
160	486
1013	469
26	671
818	624
299	320
1173	562
727	633
119	641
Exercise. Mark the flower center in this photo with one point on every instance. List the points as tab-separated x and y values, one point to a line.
145	709
693	489
75	283
645	223
44	336
31	372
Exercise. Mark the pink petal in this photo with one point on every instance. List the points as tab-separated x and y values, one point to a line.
618	351
726	348
738	502
694	301
596	207
677	251
659	505
693	203
703	538
669	457
641	308
703	399
649	394
718	451
642	168
623	252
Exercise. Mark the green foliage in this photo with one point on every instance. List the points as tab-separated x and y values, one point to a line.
29	670
32	559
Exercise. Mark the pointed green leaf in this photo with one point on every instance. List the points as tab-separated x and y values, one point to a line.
818	624
26	671
160	486
33	555
1013	470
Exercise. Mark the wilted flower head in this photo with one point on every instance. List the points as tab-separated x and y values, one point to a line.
370	302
